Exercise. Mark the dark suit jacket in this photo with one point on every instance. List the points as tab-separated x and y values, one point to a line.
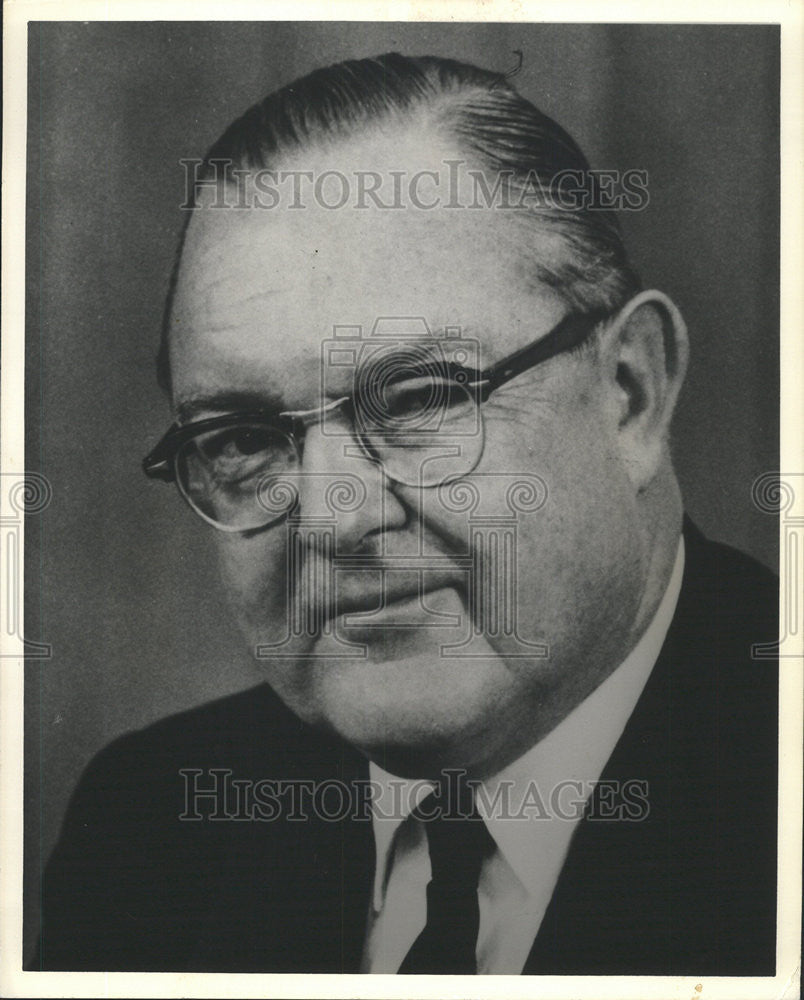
691	889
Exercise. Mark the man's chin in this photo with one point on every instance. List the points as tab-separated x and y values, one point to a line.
410	713
386	683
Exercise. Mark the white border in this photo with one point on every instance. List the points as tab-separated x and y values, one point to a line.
35	984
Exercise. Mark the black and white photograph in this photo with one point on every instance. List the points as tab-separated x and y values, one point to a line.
404	505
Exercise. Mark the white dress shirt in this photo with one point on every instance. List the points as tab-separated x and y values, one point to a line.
530	809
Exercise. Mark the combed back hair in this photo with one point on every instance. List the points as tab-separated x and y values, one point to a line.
497	130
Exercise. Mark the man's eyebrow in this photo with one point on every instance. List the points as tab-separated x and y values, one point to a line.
409	353
226	402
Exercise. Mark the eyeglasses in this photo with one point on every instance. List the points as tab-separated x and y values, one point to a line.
414	412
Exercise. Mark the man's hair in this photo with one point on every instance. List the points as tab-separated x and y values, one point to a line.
490	122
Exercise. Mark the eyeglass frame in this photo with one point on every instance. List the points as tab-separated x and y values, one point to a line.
569	333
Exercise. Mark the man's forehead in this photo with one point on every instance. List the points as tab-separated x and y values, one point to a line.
282	241
257	282
409	239
373	263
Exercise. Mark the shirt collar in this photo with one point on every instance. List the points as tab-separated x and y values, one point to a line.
392	801
576	750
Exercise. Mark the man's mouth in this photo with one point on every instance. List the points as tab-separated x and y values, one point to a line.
420	608
385	602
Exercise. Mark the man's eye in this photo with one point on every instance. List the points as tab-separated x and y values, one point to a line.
408	399
424	399
237	454
238	442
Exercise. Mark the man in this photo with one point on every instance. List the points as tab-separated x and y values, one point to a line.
556	753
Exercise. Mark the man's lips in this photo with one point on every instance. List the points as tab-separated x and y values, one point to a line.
403	611
384	589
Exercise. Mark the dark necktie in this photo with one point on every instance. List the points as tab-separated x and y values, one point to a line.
458	842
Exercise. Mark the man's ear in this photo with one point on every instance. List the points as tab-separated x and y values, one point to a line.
645	352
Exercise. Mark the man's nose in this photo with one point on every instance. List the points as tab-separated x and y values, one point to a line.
340	483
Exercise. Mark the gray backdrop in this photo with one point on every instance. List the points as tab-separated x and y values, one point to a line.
120	577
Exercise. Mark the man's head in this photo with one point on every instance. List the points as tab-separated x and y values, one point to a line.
450	608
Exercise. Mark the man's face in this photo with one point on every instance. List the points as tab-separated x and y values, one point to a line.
259	292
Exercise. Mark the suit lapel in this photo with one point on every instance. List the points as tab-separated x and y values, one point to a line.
331	885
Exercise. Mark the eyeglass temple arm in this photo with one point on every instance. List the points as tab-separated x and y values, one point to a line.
568	334
157	464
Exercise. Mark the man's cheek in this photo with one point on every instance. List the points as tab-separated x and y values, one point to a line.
451	515
254	571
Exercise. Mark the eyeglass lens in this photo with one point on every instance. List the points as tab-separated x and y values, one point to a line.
424	431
